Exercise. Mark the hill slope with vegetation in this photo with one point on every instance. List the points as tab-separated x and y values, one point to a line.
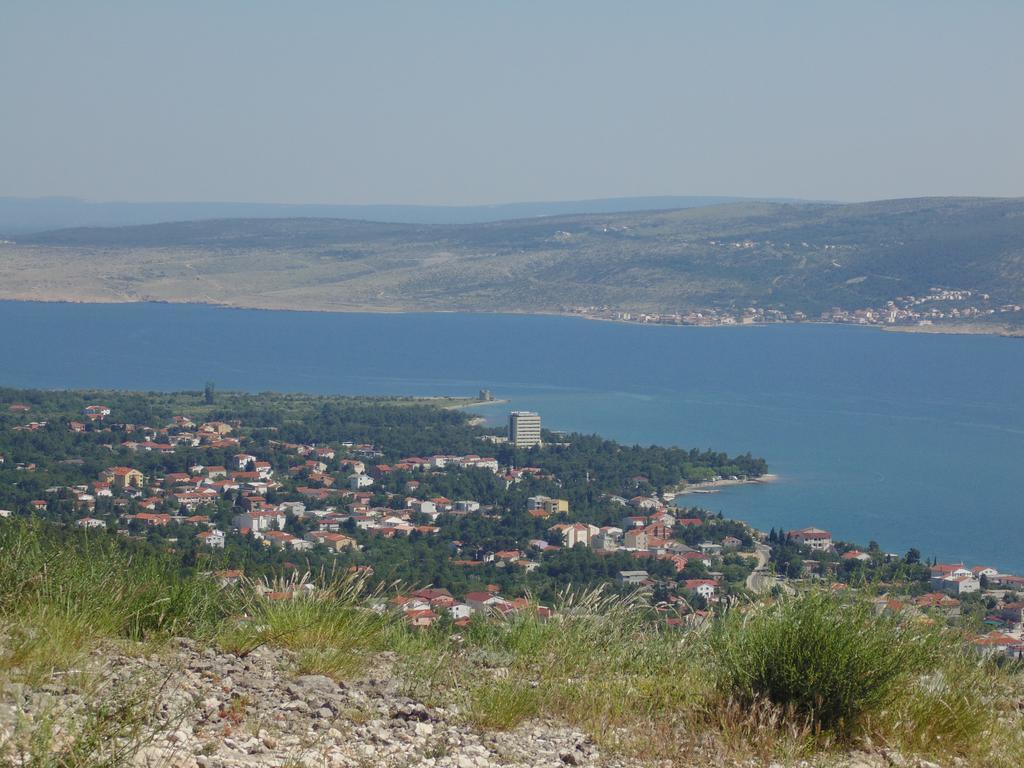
21	215
790	256
127	637
109	659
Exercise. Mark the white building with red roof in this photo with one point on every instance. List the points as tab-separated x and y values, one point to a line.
706	588
213	538
814	538
958	584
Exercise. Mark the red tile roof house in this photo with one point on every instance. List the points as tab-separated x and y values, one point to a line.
420	619
658	531
956	585
222	486
482	602
124	477
194	499
415	462
685	558
318	494
335	541
663	518
213	539
576	533
1006	580
704	587
941	570
406	603
633	578
938	600
815	538
279	538
260	521
636	538
150	518
431	593
856	554
101	488
996	643
1014	613
242	460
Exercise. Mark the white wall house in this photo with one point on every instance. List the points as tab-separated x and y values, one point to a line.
258	522
213	538
814	538
357	481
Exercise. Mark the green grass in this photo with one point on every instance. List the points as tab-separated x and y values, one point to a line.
62	597
599	664
329	628
778	681
799	678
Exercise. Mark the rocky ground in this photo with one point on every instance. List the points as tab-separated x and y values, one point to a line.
185	707
211	710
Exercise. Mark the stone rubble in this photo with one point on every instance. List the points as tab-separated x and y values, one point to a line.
215	710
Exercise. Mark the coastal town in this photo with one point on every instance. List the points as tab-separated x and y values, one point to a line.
940	306
238	498
512	385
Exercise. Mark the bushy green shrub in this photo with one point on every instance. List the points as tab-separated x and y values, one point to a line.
819	657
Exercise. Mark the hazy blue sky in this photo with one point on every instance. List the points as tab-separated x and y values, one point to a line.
479	102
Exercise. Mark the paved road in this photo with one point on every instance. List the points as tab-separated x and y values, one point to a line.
762	579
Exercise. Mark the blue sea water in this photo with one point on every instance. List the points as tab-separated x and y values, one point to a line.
907	439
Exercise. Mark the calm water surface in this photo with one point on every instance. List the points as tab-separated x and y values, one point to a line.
911	440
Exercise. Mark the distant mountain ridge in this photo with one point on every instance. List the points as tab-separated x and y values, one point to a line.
20	215
789	256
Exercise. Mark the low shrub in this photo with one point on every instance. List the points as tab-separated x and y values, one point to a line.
829	660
